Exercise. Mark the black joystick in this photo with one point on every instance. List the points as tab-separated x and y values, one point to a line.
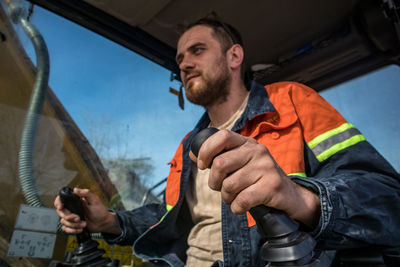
86	253
286	245
73	203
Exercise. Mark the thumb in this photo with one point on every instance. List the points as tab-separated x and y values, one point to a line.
85	194
192	157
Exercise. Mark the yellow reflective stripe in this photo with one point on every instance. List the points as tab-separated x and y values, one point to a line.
330	133
168	207
301	174
162	218
339	146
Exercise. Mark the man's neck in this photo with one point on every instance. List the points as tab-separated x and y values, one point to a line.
222	112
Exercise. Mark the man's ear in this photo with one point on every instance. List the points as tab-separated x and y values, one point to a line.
235	56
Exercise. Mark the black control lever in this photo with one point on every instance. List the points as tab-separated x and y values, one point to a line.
285	245
73	203
86	253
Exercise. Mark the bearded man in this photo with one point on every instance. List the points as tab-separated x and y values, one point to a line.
279	145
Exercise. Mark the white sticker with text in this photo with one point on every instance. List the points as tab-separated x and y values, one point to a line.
31	244
37	219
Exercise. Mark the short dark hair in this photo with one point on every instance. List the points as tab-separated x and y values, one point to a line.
225	33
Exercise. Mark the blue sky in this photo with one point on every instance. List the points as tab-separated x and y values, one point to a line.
113	93
109	90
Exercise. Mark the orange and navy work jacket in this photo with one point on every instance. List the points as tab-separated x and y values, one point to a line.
314	145
285	130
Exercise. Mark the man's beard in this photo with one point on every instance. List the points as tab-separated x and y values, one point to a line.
210	90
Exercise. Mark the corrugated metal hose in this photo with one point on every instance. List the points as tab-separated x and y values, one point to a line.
25	162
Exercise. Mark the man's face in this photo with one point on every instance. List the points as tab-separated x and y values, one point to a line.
204	69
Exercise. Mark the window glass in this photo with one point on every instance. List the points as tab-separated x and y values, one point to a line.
121	102
109	123
371	103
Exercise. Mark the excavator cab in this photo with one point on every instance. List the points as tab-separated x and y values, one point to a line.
91	97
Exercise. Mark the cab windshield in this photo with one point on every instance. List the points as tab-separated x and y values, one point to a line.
112	120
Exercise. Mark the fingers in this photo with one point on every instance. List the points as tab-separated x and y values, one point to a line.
97	217
247	199
83	193
88	198
261	192
242	170
221	141
227	164
57	203
72	224
235	183
192	157
253	184
71	230
247	176
59	208
239	168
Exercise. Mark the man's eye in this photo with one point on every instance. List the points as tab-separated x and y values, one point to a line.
198	50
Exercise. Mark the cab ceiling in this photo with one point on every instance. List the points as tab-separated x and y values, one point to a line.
317	42
270	29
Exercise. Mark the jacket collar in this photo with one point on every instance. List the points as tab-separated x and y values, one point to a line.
257	104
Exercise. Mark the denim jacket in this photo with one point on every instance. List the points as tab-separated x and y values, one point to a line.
358	189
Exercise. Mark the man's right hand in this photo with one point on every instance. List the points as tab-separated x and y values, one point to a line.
98	218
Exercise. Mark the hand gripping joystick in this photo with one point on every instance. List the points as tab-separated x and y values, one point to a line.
86	254
286	245
73	203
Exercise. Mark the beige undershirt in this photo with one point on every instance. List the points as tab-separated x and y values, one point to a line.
205	238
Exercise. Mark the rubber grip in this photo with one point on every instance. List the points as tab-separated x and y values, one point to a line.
71	201
200	138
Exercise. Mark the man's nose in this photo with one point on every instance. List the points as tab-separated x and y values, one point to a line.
186	64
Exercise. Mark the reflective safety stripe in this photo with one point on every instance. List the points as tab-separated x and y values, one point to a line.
331	142
329	134
301	174
168	207
162	218
340	137
336	148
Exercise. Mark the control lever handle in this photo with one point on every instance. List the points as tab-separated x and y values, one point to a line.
285	244
87	253
73	203
282	223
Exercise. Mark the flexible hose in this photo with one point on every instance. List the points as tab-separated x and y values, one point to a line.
25	163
